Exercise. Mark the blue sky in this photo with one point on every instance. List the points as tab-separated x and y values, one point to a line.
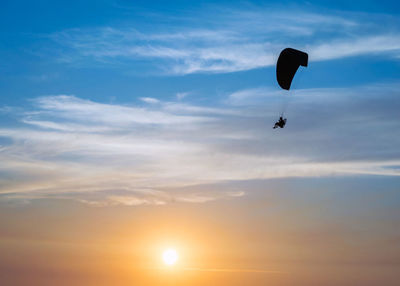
132	104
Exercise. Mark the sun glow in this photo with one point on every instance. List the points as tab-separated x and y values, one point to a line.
170	256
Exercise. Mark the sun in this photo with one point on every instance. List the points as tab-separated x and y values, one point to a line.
170	256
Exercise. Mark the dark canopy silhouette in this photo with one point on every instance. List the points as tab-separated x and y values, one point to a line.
288	62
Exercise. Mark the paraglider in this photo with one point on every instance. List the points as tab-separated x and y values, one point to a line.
288	63
281	123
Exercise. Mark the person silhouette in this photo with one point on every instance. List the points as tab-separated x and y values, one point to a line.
281	123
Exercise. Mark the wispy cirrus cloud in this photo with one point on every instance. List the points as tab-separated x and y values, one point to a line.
239	40
182	95
150	100
377	44
72	107
108	154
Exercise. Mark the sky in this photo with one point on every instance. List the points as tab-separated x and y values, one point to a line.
129	127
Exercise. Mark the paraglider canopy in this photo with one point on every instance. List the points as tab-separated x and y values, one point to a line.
288	62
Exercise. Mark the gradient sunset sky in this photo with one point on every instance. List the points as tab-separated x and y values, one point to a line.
131	127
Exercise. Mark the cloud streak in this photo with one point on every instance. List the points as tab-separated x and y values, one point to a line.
238	41
109	154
